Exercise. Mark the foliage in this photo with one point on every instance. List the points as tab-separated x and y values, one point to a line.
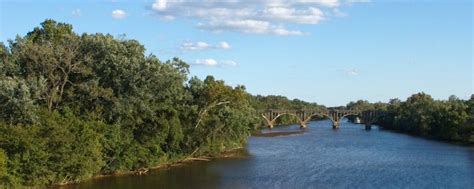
74	106
3	167
280	102
56	149
421	115
362	105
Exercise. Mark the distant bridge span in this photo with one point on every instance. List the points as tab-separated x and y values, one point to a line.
335	115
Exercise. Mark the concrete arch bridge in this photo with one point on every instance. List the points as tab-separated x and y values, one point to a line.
368	117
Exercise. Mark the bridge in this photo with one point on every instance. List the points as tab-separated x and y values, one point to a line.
368	117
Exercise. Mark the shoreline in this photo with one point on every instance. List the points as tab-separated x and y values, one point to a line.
276	134
230	153
431	138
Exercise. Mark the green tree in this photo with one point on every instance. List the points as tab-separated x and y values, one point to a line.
3	167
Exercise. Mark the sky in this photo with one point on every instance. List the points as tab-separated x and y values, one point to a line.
325	51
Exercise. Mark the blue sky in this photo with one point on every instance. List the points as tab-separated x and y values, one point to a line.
325	51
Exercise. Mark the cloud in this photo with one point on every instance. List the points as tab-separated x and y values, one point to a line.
249	16
159	5
76	12
206	62
310	15
352	72
203	45
195	46
248	26
223	45
118	14
229	63
214	63
339	13
283	31
358	1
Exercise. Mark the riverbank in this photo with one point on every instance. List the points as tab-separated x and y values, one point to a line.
432	138
259	133
229	153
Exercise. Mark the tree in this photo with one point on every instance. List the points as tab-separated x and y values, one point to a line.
3	167
421	115
50	54
16	104
73	106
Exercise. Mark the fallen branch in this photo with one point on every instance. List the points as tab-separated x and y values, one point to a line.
197	159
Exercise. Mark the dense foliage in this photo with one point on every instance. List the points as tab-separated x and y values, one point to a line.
421	115
74	106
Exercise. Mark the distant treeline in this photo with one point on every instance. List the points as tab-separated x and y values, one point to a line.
421	115
283	103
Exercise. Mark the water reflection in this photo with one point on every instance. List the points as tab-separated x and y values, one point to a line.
321	157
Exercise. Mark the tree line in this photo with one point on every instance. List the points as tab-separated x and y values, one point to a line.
421	115
77	105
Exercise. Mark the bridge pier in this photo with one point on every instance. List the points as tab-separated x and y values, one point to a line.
270	120
368	126
335	124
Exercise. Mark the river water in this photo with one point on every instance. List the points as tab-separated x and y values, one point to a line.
349	157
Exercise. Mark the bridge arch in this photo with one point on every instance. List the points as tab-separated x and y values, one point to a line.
292	114
335	115
335	122
320	114
271	121
353	114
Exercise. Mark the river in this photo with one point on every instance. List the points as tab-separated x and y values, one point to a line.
349	157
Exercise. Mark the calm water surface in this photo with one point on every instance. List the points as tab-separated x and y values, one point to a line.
349	157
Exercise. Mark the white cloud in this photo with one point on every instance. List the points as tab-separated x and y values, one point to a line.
283	31
214	63
358	1
203	45
195	46
223	45
328	3
249	16
159	5
248	26
118	14
310	15
229	63
76	12
206	62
